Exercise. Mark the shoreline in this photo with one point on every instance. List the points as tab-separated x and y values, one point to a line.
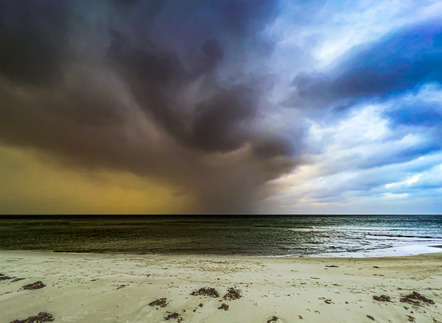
394	251
92	287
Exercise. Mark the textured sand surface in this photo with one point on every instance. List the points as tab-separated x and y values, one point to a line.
118	288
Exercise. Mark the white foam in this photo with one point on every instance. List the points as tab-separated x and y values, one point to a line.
407	250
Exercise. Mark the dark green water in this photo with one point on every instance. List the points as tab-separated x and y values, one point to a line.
243	235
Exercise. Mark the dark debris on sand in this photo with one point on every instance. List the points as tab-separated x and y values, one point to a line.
232	294
211	292
162	302
4	277
382	298
41	317
174	316
273	319
414	298
371	317
36	285
16	279
224	307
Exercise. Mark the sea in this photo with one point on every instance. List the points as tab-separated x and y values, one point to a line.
257	235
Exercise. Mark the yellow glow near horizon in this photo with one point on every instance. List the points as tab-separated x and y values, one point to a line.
29	185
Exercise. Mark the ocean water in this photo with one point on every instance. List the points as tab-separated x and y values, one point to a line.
226	235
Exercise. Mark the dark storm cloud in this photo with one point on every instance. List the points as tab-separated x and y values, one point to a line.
33	40
156	78
400	62
157	75
216	124
74	77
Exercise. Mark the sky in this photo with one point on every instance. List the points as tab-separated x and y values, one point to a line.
227	106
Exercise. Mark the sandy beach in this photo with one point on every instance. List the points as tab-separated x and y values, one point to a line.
119	288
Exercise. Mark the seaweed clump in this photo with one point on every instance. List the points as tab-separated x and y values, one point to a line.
232	294
162	302
414	298
174	316
224	307
36	285
211	292
4	277
41	317
382	298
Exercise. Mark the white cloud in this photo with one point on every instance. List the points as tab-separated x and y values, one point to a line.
395	196
334	27
407	182
359	161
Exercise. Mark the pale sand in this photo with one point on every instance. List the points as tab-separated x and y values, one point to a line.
118	288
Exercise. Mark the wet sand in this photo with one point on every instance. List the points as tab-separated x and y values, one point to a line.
119	288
